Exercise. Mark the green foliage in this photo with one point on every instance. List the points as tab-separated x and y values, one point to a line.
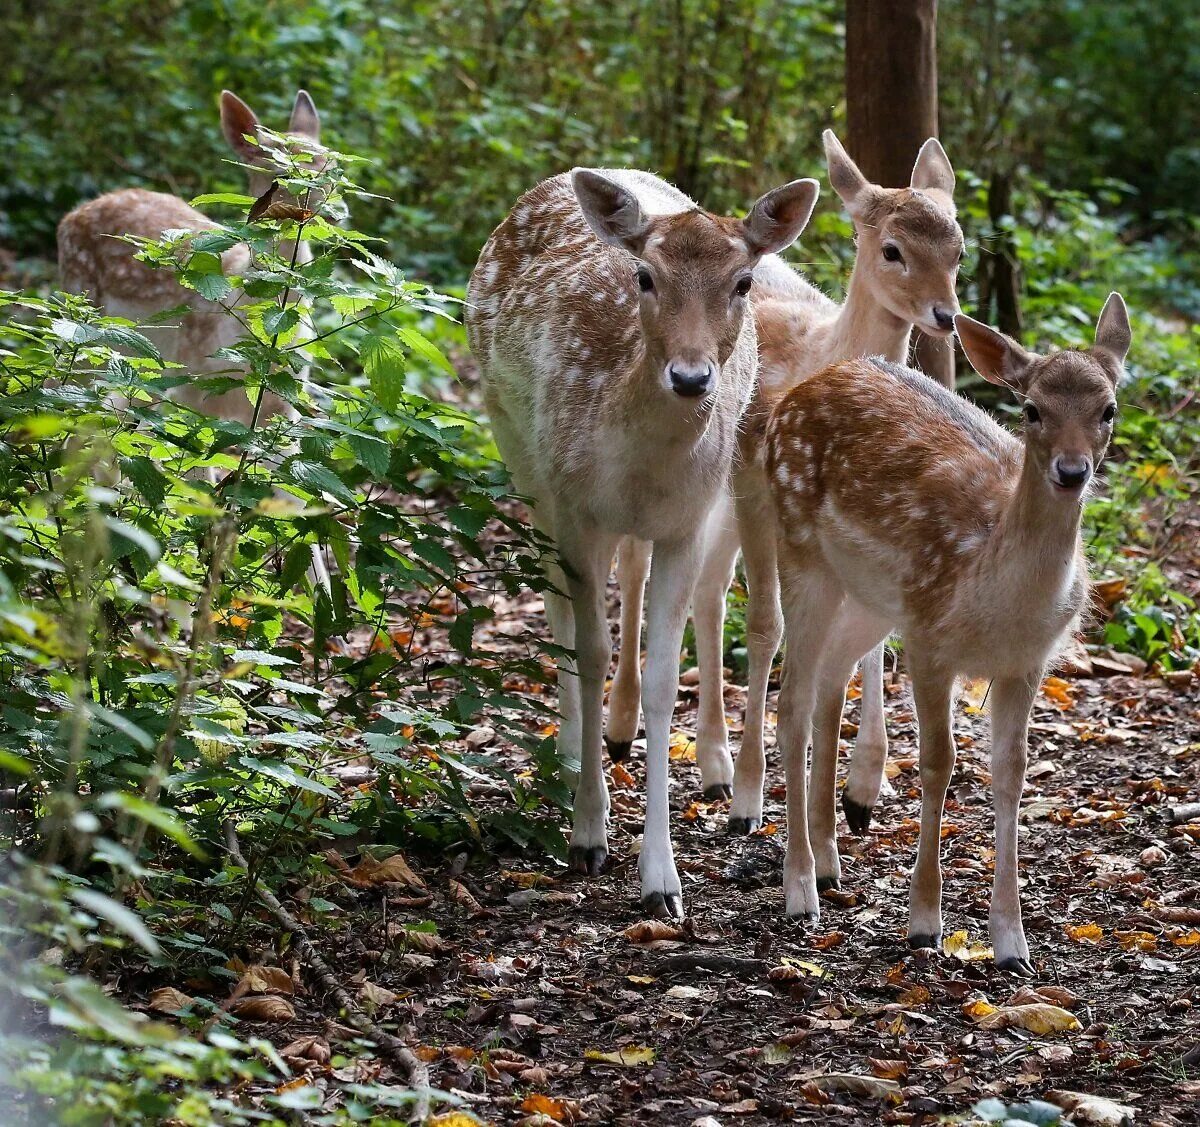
171	662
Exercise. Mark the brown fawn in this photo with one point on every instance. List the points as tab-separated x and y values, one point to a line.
909	247
901	506
95	259
608	314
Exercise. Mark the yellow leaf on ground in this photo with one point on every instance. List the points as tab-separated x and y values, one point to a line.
1085	933
682	746
457	1119
1136	940
621	778
561	1111
978	1008
627	1055
960	947
1038	1017
526	880
1058	691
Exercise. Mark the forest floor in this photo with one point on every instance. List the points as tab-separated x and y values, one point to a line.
546	998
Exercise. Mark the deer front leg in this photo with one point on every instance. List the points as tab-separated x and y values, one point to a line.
870	748
764	631
625	696
1012	698
933	691
672	572
854	630
708	617
587	555
810	601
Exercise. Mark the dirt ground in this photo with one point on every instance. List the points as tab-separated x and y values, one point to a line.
545	997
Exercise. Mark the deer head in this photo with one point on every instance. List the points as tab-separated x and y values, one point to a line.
246	137
692	271
909	243
1068	401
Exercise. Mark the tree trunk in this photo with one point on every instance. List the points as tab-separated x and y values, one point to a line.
892	107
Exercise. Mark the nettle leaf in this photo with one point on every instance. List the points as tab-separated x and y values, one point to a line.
371	453
320	479
424	347
280	321
462	630
384	364
289	776
210	286
147	479
137	539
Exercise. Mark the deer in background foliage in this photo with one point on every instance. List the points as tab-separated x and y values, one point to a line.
900	505
608	314
94	259
909	247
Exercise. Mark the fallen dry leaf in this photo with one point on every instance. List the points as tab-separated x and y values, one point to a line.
376	996
462	895
959	946
1084	1107
627	1055
1085	933
393	870
560	1110
168	1000
308	1049
266	980
265	1008
1036	1017
651	931
888	1069
872	1087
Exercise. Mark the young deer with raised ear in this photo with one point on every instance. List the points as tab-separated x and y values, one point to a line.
608	314
908	251
94	259
900	505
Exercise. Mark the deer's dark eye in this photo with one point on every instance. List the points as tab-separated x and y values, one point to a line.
1110	413
743	286
1032	415
645	282
891	252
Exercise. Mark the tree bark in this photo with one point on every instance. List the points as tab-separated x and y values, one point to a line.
892	107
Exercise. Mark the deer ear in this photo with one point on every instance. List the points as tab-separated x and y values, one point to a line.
238	121
1113	333
611	210
933	171
305	120
776	219
850	184
994	356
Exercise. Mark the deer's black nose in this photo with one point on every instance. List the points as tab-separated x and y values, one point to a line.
1071	473
944	318
690	380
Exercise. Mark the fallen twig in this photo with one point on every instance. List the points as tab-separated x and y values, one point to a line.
694	960
413	1068
1188	812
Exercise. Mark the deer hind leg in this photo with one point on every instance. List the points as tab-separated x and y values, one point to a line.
811	599
587	555
625	696
933	692
708	618
1012	698
672	574
854	630
764	631
870	748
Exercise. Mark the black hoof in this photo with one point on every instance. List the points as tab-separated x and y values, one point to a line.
717	791
1021	967
925	942
618	750
824	883
858	817
742	826
663	905
588	861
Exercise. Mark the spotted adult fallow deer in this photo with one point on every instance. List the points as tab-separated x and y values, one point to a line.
909	247
95	259
900	505
608	314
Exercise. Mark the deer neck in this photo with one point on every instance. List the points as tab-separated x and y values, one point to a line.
1042	529
865	328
